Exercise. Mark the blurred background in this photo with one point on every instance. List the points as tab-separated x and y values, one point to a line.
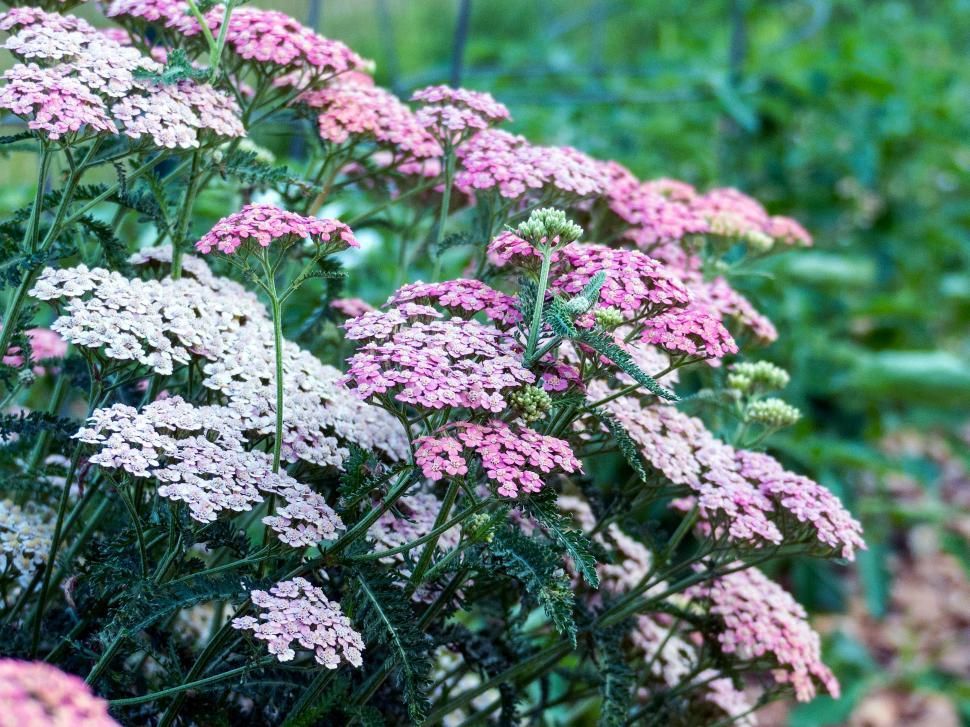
854	117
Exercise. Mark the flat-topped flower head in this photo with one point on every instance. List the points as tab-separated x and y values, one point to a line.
168	14
462	297
160	324
694	331
760	619
53	102
296	612
36	694
452	114
516	459
500	161
352	108
276	45
438	364
265	224
507	248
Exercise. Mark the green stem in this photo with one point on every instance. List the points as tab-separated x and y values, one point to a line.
185	215
449	169
428	553
93	396
191	685
536	325
57	399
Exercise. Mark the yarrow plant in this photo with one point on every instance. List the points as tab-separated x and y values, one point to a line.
234	479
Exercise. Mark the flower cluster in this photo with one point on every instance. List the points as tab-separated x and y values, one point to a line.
297	611
353	108
159	324
760	618
413	517
275	44
751	494
514	459
450	114
453	363
510	165
634	283
25	539
263	224
462	297
77	78
35	694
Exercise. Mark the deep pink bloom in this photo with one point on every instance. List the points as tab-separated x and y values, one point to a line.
517	460
634	282
263	224
35	694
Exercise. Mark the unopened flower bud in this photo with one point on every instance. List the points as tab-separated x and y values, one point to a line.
750	376
773	413
26	377
608	318
477	528
532	402
551	226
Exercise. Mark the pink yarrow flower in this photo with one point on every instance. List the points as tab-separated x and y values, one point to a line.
438	364
761	619
451	114
462	297
264	224
517	460
35	694
297	611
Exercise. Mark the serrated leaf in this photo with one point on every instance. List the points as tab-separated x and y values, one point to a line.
618	679
540	571
526	300
385	615
560	319
624	442
574	542
608	348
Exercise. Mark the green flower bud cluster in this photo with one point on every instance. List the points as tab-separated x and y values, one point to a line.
734	227
749	377
549	225
773	412
533	402
26	377
477	528
608	318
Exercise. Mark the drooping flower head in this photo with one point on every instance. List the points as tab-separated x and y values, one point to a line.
452	114
261	225
297	611
35	694
517	460
760	619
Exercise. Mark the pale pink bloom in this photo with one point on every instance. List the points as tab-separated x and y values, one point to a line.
263	224
297	611
462	297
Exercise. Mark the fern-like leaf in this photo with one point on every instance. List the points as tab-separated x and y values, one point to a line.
618	679
560	319
540	570
605	346
574	542
624	442
385	614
